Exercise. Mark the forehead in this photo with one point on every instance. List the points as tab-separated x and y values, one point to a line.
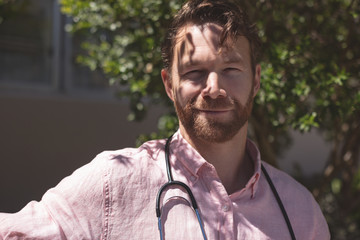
194	41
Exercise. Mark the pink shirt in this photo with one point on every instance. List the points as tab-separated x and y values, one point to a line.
113	197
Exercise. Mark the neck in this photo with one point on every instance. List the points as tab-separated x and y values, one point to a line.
229	158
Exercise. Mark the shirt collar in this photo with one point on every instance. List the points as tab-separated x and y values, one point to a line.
193	161
254	154
188	155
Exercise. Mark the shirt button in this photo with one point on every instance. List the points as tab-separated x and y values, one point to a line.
225	208
193	178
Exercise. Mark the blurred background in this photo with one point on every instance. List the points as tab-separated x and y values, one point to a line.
56	115
81	77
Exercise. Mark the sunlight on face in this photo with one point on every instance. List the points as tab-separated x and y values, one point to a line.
212	85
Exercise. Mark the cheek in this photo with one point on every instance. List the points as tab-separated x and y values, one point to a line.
186	91
240	89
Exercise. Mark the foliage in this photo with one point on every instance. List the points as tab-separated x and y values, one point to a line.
124	44
310	78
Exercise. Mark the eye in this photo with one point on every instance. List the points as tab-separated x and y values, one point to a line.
231	70
194	74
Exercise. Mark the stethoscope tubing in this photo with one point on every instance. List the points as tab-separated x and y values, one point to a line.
169	184
172	182
281	205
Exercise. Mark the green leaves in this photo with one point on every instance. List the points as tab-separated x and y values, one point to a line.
308	63
306	68
306	122
122	38
336	186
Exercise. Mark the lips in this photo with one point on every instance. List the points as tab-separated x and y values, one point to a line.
214	110
212	113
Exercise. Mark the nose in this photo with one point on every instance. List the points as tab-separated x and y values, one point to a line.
213	88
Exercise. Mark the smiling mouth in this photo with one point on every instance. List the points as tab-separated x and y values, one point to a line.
213	111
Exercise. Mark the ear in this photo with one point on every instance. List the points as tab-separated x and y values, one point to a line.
165	75
257	78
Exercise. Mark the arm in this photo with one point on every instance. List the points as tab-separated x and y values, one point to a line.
74	209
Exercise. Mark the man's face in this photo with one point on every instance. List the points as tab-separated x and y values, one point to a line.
212	86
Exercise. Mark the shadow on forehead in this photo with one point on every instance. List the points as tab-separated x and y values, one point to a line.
185	39
186	42
185	45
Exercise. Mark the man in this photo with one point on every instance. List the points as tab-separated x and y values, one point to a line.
211	75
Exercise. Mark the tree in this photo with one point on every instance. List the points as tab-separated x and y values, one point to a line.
125	44
310	78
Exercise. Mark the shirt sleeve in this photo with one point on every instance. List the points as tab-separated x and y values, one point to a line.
74	209
321	229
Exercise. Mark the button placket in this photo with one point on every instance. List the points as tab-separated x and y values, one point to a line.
226	226
225	207
222	200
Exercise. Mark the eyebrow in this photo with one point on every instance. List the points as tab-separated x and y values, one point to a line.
194	62
233	59
189	63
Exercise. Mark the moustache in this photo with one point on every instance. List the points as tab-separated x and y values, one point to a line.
212	104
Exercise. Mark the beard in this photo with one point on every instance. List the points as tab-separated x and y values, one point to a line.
213	130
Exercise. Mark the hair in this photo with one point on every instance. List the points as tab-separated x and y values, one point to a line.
228	14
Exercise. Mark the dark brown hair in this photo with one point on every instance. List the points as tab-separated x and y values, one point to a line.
228	14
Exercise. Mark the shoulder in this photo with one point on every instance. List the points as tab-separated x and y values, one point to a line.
108	164
129	165
147	153
303	210
285	182
290	190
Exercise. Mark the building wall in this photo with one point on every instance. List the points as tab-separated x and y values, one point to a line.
55	115
45	138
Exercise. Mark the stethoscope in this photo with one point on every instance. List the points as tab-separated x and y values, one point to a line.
172	182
